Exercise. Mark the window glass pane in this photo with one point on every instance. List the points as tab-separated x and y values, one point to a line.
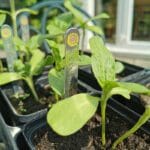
109	25
141	20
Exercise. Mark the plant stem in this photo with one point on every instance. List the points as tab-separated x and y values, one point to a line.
103	115
13	17
29	81
141	121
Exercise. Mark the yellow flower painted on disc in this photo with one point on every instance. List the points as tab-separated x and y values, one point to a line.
6	33
73	39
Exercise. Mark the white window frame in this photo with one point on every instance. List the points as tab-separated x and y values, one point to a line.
124	43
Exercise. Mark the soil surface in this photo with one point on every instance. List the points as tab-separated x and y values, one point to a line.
89	137
27	105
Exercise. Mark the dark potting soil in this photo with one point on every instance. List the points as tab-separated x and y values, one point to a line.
89	137
29	104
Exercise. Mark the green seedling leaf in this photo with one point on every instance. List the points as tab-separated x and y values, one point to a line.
67	17
19	66
36	61
71	114
55	53
84	60
2	19
103	63
78	15
119	67
35	42
56	80
100	16
94	29
54	30
134	87
121	91
20	45
8	77
61	24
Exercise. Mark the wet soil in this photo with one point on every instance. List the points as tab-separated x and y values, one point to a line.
89	137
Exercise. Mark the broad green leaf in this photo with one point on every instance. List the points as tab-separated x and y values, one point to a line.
8	77
78	15
36	61
57	80
103	63
112	88
2	19
84	60
119	67
94	29
134	87
71	114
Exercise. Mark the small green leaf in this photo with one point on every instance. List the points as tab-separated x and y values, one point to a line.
100	16
36	61
34	42
54	30
67	17
71	114
78	15
18	65
2	19
120	91
103	63
134	87
57	80
8	77
84	60
95	29
119	67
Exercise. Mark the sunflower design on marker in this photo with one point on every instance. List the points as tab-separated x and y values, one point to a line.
72	39
6	32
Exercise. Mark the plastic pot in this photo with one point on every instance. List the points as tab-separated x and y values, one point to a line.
132	109
6	140
12	116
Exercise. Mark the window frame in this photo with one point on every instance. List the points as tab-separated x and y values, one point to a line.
124	26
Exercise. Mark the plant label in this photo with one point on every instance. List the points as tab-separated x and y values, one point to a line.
24	24
71	61
11	55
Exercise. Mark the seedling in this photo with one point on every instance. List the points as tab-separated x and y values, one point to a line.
143	119
20	70
69	115
66	64
59	24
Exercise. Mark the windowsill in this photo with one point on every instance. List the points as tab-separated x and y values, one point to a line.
128	51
